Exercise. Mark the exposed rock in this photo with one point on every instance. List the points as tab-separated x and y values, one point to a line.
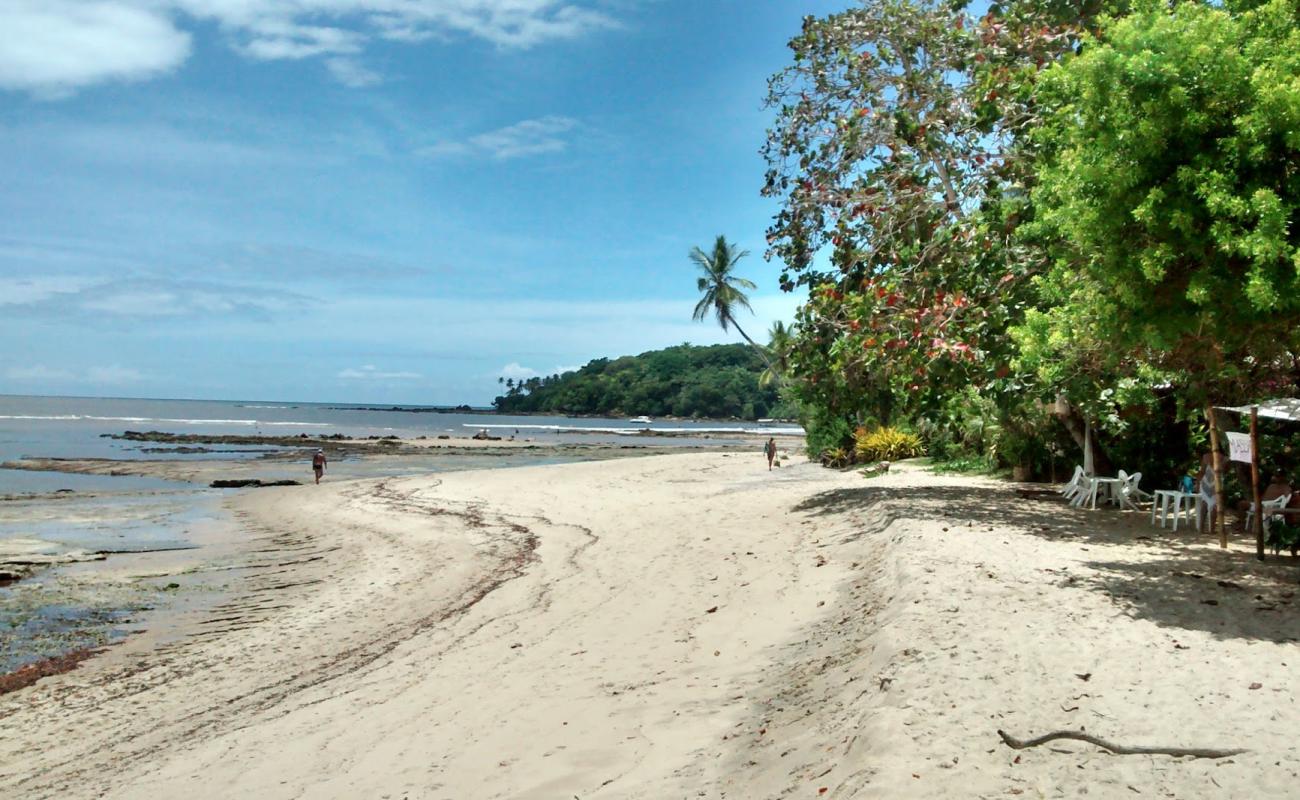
250	482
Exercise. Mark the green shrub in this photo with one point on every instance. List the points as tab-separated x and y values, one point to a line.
1283	535
835	457
886	444
825	432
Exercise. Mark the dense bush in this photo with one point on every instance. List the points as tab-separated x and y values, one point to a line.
825	431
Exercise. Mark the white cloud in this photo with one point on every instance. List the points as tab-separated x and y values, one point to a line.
149	298
38	372
352	73
275	39
517	371
530	137
114	375
129	303
111	375
22	291
372	373
54	47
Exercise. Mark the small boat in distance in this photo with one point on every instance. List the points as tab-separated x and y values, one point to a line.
642	420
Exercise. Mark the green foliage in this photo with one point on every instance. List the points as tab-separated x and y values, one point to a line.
1167	198
720	381
886	444
1283	536
723	291
825	430
963	426
966	465
836	457
1091	202
894	148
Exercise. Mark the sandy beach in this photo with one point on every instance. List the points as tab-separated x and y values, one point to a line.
684	625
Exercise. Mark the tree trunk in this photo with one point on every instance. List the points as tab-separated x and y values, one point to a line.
1074	423
761	352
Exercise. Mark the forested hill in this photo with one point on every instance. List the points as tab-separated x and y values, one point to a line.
718	382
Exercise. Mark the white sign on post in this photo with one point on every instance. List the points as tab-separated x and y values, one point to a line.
1239	447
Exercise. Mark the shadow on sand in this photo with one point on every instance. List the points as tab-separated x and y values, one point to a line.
1176	580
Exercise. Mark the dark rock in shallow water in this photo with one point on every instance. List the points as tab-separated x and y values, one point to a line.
249	482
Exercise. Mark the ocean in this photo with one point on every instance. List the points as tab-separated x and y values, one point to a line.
74	427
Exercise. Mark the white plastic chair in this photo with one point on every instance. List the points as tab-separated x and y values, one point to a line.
1206	501
1127	492
1084	492
1271	509
1075	485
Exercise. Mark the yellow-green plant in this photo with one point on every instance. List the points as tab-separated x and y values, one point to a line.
835	457
886	444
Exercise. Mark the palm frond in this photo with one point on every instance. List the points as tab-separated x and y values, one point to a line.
702	307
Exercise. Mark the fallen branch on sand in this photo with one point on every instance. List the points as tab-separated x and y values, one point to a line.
1119	750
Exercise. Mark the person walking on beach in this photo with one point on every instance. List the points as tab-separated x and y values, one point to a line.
769	450
318	462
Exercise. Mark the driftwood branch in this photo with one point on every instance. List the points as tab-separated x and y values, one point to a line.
1119	750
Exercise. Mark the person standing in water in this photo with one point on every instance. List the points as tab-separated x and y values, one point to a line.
318	462
769	450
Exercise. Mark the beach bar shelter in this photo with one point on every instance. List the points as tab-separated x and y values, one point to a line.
1284	408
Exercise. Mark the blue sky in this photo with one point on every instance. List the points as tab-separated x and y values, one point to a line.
371	200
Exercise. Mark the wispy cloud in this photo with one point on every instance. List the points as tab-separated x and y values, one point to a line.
35	289
106	375
372	373
38	372
530	137
52	48
350	72
113	375
152	298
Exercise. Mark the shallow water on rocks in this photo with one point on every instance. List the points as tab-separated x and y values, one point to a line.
72	593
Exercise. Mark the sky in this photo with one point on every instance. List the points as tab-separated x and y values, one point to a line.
379	201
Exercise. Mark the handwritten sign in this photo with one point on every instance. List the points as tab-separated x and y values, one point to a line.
1239	447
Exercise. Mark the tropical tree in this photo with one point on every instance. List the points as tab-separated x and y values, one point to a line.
1169	201
895	151
723	291
780	344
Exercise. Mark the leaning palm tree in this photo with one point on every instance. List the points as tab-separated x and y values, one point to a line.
723	290
779	345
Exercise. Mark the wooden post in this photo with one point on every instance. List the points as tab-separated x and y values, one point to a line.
1254	482
1218	479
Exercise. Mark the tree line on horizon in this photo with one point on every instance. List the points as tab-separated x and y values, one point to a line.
716	382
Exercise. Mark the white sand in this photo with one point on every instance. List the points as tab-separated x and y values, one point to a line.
545	632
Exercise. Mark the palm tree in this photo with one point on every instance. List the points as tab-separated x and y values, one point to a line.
779	344
723	290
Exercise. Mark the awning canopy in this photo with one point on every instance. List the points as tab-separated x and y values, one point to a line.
1285	408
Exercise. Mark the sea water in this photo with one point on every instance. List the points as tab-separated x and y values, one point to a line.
75	427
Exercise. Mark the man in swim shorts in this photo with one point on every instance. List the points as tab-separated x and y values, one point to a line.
318	462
